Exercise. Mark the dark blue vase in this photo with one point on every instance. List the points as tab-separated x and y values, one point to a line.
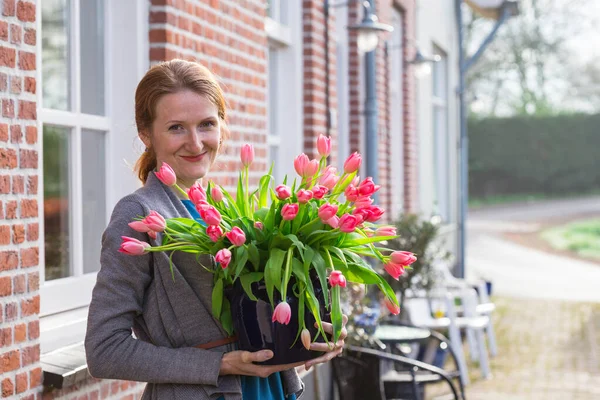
255	330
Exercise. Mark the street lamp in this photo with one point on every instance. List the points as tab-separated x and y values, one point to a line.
423	64
369	29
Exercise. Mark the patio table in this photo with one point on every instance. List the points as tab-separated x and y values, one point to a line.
393	334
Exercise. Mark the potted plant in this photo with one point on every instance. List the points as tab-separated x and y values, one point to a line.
283	254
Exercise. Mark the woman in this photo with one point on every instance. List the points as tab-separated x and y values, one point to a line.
179	349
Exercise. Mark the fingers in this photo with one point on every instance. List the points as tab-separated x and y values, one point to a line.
323	359
257	356
328	328
344	319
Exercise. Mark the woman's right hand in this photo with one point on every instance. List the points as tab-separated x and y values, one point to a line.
241	362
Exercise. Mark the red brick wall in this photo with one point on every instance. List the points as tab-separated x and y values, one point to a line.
20	372
228	37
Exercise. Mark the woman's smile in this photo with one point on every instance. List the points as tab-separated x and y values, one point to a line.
195	158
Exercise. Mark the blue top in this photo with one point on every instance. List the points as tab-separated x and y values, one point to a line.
253	387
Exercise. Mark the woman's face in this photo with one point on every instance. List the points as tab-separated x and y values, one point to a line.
185	134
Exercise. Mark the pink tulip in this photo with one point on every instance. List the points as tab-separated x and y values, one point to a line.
329	178
319	191
289	211
362	213
311	168
196	193
306	339
402	257
394	309
300	164
304	196
155	222
236	236
367	187
355	181
247	154
333	222
395	270
327	211
209	214
216	194
336	278
139	226
283	192
386	231
363	202
352	163
132	246
214	232
376	213
348	223
282	313
351	193
223	257
324	146
152	235
259	225
166	174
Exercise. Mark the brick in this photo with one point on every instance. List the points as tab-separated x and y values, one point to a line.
8	260
34	329
16	135
16	84
16	34
8	158
11	210
5	337
30	355
35	377
18	185
32	232
4	234
26	11
31	134
19	284
29	208
18	234
29	159
32	185
26	61
11	311
8	57
8	106
29	257
21	380
33	281
30	84
30	306
5	286
30	37
10	360
20	333
4	30
27	110
3	82
3	132
8	389
9	8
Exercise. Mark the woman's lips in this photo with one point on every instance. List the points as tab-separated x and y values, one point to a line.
194	158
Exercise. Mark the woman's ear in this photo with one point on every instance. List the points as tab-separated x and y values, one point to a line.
145	138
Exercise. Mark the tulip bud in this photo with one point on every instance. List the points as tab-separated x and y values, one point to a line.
236	236
139	226
223	257
392	307
247	154
300	164
351	193
386	231
395	270
376	213
196	193
155	222
311	168
132	246
319	191
327	211
324	146
352	163
333	222
289	211
304	196
216	194
209	214
282	313
348	223
367	187
259	225
166	174
214	232
336	278
306	339
402	257
283	192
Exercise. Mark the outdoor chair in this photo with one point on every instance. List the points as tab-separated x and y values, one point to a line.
365	373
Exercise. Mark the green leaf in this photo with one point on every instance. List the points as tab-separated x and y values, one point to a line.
313	306
226	320
261	213
217	299
373	239
231	204
336	313
240	198
264	185
273	271
321	269
339	254
253	255
241	258
247	281
298	270
360	274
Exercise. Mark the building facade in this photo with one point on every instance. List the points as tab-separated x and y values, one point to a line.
290	70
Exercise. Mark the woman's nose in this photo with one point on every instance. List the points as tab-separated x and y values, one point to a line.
195	141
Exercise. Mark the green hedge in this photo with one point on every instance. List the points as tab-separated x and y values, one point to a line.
527	154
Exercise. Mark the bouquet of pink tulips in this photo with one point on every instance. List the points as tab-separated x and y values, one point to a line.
323	225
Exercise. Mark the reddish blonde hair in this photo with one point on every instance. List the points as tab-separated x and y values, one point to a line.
166	78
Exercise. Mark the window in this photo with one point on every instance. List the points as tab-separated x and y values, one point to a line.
82	172
342	88
440	135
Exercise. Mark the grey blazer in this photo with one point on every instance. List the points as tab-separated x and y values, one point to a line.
168	317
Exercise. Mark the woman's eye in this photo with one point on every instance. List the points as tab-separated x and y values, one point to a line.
208	124
176	127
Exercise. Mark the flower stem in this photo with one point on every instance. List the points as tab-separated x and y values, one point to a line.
176	186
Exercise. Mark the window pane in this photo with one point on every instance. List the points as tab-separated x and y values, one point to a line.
273	154
56	202
93	196
56	72
273	128
92	56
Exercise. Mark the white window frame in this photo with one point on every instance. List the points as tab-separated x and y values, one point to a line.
342	88
64	302
439	102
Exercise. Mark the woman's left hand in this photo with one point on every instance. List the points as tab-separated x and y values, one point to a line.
331	349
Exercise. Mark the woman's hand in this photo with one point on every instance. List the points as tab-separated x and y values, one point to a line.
331	350
241	363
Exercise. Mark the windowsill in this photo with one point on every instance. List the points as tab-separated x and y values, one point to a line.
64	367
